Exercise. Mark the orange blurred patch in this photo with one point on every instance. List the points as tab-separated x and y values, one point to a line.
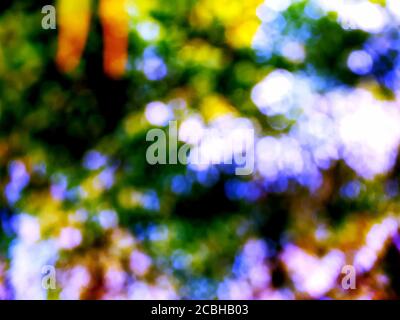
114	18
74	24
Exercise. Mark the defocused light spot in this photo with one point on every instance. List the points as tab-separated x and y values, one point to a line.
139	263
28	228
152	65
69	238
19	179
158	113
351	190
94	160
151	201
191	130
180	185
149	31
73	282
271	95
370	133
294	51
311	274
108	219
277	5
58	188
363	15
360	62
107	178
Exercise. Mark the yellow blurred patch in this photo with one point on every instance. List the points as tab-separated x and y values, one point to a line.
213	107
199	52
238	17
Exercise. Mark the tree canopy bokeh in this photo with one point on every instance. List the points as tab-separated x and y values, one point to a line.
318	82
